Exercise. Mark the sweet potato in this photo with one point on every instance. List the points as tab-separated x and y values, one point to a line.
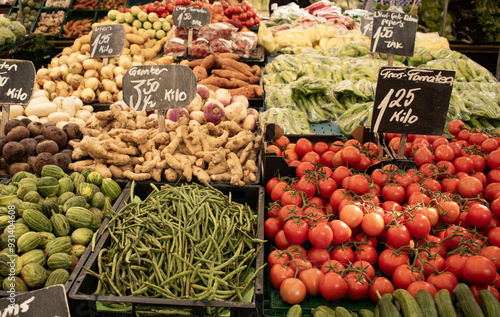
241	67
219	82
240	83
250	91
212	87
229	55
200	72
208	62
256	70
226	67
197	62
230	74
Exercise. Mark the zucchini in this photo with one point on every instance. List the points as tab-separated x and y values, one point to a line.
366	313
490	304
444	303
342	312
386	308
409	306
426	303
294	311
469	305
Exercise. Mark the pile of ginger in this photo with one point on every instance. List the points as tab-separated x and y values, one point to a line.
121	143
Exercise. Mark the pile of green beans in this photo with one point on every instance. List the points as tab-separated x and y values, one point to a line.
182	242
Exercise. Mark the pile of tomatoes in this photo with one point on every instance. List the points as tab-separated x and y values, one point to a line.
340	232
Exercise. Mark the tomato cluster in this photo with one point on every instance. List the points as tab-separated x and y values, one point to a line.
350	153
242	14
428	227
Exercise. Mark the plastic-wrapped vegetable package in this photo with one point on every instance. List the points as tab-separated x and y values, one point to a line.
421	55
244	43
357	115
221	46
291	121
199	48
219	30
465	69
176	47
279	96
287	13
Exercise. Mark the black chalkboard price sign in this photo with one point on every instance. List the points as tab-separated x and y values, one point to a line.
50	301
393	33
107	41
149	87
367	25
191	17
17	80
412	100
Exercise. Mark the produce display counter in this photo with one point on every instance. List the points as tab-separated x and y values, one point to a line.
102	284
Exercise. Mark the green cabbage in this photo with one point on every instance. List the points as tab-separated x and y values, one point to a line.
7	36
17	28
4	21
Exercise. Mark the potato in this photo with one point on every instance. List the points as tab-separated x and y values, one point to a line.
41	160
18	133
47	146
30	145
11	124
72	131
135	49
57	135
135	39
19	167
13	152
63	160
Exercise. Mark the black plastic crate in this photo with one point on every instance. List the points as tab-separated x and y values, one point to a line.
275	165
5	179
274	306
49	10
76	15
15	9
82	299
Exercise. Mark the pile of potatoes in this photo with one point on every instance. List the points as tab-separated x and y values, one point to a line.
29	145
74	73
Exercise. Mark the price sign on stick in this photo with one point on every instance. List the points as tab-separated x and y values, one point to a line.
107	41
412	100
393	33
367	25
49	301
191	17
17	80
149	87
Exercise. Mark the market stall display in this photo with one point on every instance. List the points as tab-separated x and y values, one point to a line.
343	218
